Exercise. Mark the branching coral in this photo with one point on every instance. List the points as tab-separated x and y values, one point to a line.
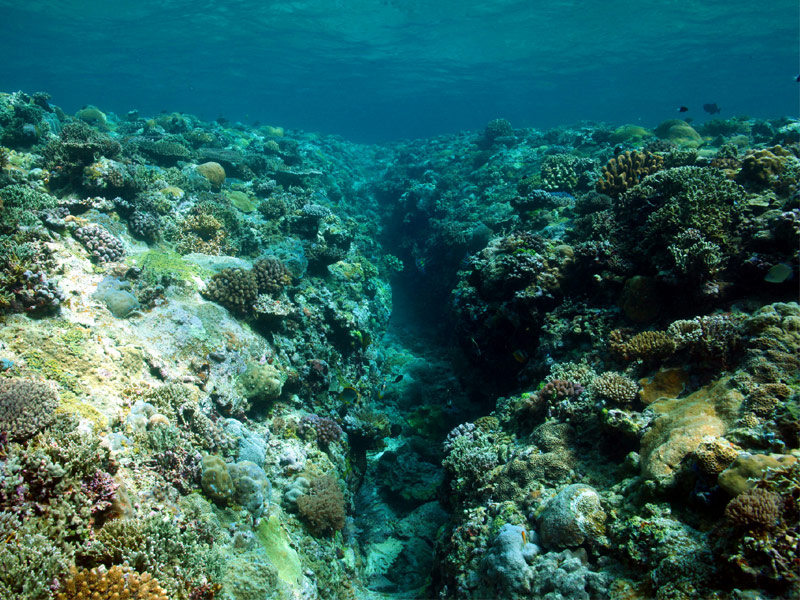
323	506
116	583
614	388
26	406
271	275
101	245
236	289
647	345
626	170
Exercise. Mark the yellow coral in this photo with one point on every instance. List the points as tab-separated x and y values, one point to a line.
118	583
626	170
648	345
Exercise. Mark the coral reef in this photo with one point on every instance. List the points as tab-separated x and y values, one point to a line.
500	363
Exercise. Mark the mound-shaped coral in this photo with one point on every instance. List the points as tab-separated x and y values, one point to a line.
573	516
213	172
755	509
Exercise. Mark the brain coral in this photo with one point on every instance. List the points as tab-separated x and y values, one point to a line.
26	406
573	516
214	172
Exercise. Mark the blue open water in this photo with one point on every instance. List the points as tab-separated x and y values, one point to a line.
375	70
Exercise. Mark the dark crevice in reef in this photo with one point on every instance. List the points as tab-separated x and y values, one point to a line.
508	363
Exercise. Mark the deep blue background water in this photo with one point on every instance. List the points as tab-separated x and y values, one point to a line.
387	69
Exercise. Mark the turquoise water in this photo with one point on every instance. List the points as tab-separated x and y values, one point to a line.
388	69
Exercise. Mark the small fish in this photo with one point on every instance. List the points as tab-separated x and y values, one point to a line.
520	356
477	347
465	261
398	379
420	264
779	273
711	109
683	109
798	78
524	537
348	395
382	390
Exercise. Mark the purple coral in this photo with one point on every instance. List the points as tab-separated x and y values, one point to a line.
559	389
103	246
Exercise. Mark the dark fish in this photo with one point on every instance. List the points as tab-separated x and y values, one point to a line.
465	261
711	109
683	109
420	264
348	395
798	78
398	379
